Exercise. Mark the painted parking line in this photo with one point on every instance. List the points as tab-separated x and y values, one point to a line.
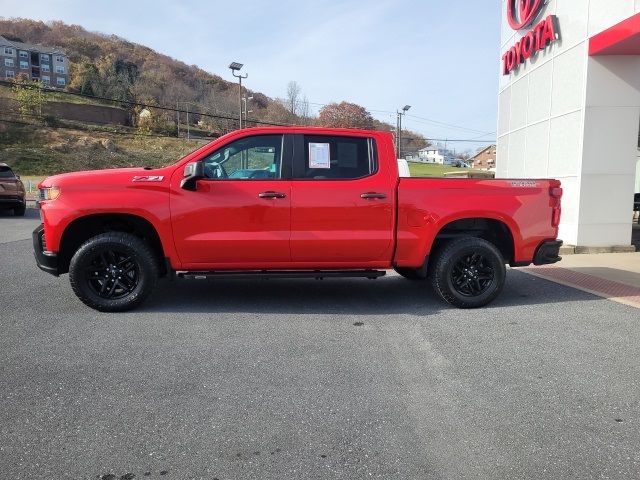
615	291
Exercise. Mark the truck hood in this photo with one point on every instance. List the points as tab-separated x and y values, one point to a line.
114	177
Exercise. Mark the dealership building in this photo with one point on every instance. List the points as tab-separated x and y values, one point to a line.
569	108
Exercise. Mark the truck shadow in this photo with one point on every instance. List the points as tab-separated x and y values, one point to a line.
391	295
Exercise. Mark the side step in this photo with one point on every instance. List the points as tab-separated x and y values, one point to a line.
266	274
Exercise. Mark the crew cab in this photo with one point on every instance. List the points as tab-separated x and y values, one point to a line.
291	202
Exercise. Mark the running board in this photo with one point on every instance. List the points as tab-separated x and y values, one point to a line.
266	274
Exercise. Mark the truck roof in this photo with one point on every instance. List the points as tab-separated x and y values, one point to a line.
316	130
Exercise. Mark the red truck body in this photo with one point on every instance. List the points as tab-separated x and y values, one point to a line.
377	221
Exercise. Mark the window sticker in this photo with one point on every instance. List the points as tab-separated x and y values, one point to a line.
319	155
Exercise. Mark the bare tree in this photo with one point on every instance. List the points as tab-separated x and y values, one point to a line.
305	111
293	97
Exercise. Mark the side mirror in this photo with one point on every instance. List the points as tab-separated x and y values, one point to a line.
192	173
18	177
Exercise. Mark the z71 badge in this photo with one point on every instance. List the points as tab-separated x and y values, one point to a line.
148	178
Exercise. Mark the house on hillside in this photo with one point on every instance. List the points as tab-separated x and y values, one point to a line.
435	154
485	159
49	65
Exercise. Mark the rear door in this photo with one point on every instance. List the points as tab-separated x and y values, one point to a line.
342	202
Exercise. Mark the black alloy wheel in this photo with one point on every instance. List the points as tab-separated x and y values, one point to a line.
113	274
472	275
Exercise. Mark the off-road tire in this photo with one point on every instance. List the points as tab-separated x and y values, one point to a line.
139	252
446	267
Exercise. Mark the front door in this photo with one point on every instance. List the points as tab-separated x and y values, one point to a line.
239	216
342	203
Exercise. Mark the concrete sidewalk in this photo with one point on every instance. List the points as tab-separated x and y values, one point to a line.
615	276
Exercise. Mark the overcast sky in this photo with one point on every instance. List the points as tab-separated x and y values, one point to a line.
439	56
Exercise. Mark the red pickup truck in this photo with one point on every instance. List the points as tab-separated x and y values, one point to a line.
291	202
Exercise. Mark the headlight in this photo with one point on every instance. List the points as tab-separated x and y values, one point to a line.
49	193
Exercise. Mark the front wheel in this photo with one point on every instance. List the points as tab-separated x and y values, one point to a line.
113	272
468	272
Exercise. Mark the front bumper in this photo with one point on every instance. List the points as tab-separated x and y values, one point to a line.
548	253
46	261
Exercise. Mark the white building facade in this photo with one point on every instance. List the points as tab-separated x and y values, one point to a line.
436	155
569	108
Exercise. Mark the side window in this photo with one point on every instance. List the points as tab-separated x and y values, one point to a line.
335	158
251	158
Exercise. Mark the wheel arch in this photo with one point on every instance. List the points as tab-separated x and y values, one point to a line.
494	230
83	228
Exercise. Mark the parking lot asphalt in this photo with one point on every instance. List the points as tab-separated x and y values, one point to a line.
305	379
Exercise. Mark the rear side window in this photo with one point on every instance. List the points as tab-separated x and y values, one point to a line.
334	158
6	172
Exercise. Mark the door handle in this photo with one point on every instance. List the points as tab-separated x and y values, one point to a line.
373	196
272	195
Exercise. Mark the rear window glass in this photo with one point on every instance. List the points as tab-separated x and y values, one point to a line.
336	158
6	172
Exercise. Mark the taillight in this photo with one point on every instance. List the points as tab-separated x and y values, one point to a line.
556	194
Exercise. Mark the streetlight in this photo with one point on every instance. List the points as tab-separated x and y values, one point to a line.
404	111
236	67
245	99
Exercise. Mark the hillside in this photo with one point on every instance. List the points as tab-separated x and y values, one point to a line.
133	76
42	151
110	66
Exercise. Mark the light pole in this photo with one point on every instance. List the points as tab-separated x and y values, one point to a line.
245	99
404	111
236	67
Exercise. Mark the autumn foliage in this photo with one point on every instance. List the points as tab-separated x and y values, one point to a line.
345	115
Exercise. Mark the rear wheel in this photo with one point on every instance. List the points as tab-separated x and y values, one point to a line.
113	272
468	272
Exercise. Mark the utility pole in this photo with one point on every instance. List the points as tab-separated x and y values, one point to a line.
236	67
187	121
178	114
404	111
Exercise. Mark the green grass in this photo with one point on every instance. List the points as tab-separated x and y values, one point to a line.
433	170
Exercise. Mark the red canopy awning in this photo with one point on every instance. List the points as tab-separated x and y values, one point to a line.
621	39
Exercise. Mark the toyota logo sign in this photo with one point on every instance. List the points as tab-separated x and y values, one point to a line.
524	14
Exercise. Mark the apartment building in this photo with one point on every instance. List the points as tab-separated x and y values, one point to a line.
49	65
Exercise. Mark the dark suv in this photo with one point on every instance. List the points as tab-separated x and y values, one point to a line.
12	193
